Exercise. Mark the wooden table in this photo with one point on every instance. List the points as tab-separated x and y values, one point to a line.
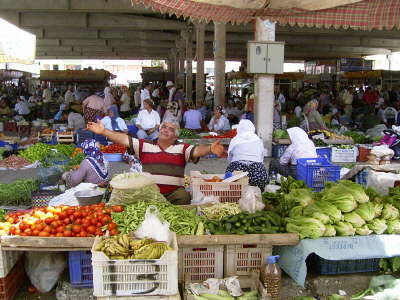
34	243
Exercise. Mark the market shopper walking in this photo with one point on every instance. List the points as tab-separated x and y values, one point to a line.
93	108
314	118
93	169
246	153
109	99
125	102
165	158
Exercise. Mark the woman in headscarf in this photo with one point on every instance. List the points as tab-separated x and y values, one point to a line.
315	121
93	169
173	113
301	147
219	123
246	153
109	99
113	121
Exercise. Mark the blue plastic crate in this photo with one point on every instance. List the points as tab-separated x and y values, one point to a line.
113	157
333	267
278	150
362	177
325	153
80	268
316	171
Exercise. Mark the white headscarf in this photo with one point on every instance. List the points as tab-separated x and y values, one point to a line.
299	138
246	135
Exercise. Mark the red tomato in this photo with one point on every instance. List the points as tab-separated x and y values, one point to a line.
67	233
76	228
113	232
28	231
47	228
105	220
22	226
78	221
35	232
99	224
93	221
77	214
99	232
111	226
63	215
70	211
91	229
44	234
48	220
68	227
60	229
40	226
67	221
84	214
59	234
54	224
117	208
83	234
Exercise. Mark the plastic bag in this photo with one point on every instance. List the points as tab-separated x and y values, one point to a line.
44	269
200	199
153	226
252	200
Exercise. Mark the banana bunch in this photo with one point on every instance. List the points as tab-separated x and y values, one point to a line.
123	246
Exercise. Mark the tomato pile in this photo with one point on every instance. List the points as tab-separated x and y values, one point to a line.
114	148
227	135
64	221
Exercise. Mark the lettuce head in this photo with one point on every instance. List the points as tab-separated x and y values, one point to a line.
344	229
306	227
389	212
354	219
326	208
378	226
296	211
378	207
303	197
322	217
363	230
342	200
393	226
329	230
356	190
366	211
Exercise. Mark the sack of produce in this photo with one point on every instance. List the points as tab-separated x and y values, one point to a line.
128	188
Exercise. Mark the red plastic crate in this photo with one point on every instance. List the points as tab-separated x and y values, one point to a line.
10	284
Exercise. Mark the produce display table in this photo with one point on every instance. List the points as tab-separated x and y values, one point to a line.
206	141
34	243
293	258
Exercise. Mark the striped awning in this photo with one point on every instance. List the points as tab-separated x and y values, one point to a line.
363	15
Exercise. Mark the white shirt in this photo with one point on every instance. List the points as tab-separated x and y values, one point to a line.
222	124
120	122
155	93
192	119
144	94
46	95
148	120
76	121
171	93
250	152
281	98
68	97
125	102
22	108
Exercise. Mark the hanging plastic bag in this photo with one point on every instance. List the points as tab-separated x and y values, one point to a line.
44	269
153	226
252	200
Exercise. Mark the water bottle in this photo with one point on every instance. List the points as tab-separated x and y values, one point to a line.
271	276
272	178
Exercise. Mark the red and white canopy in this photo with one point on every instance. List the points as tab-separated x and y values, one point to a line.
355	14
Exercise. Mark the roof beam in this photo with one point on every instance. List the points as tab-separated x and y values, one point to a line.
124	6
309	4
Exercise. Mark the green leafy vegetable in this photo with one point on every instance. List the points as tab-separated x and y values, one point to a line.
306	227
378	226
345	229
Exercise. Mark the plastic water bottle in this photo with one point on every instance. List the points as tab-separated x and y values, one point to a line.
271	277
273	178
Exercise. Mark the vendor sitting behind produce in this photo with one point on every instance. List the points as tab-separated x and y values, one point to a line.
93	169
246	153
148	121
113	120
301	147
75	120
219	123
165	158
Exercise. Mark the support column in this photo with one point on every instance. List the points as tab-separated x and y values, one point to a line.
264	90
181	62
200	36
188	36
219	62
173	68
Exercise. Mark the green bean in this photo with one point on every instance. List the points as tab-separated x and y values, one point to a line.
182	221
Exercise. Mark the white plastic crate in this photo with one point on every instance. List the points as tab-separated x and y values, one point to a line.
135	277
174	297
344	155
8	259
242	259
226	191
201	263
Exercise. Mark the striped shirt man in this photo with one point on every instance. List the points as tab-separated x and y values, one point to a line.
166	165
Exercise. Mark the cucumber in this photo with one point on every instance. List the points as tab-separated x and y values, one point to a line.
216	297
